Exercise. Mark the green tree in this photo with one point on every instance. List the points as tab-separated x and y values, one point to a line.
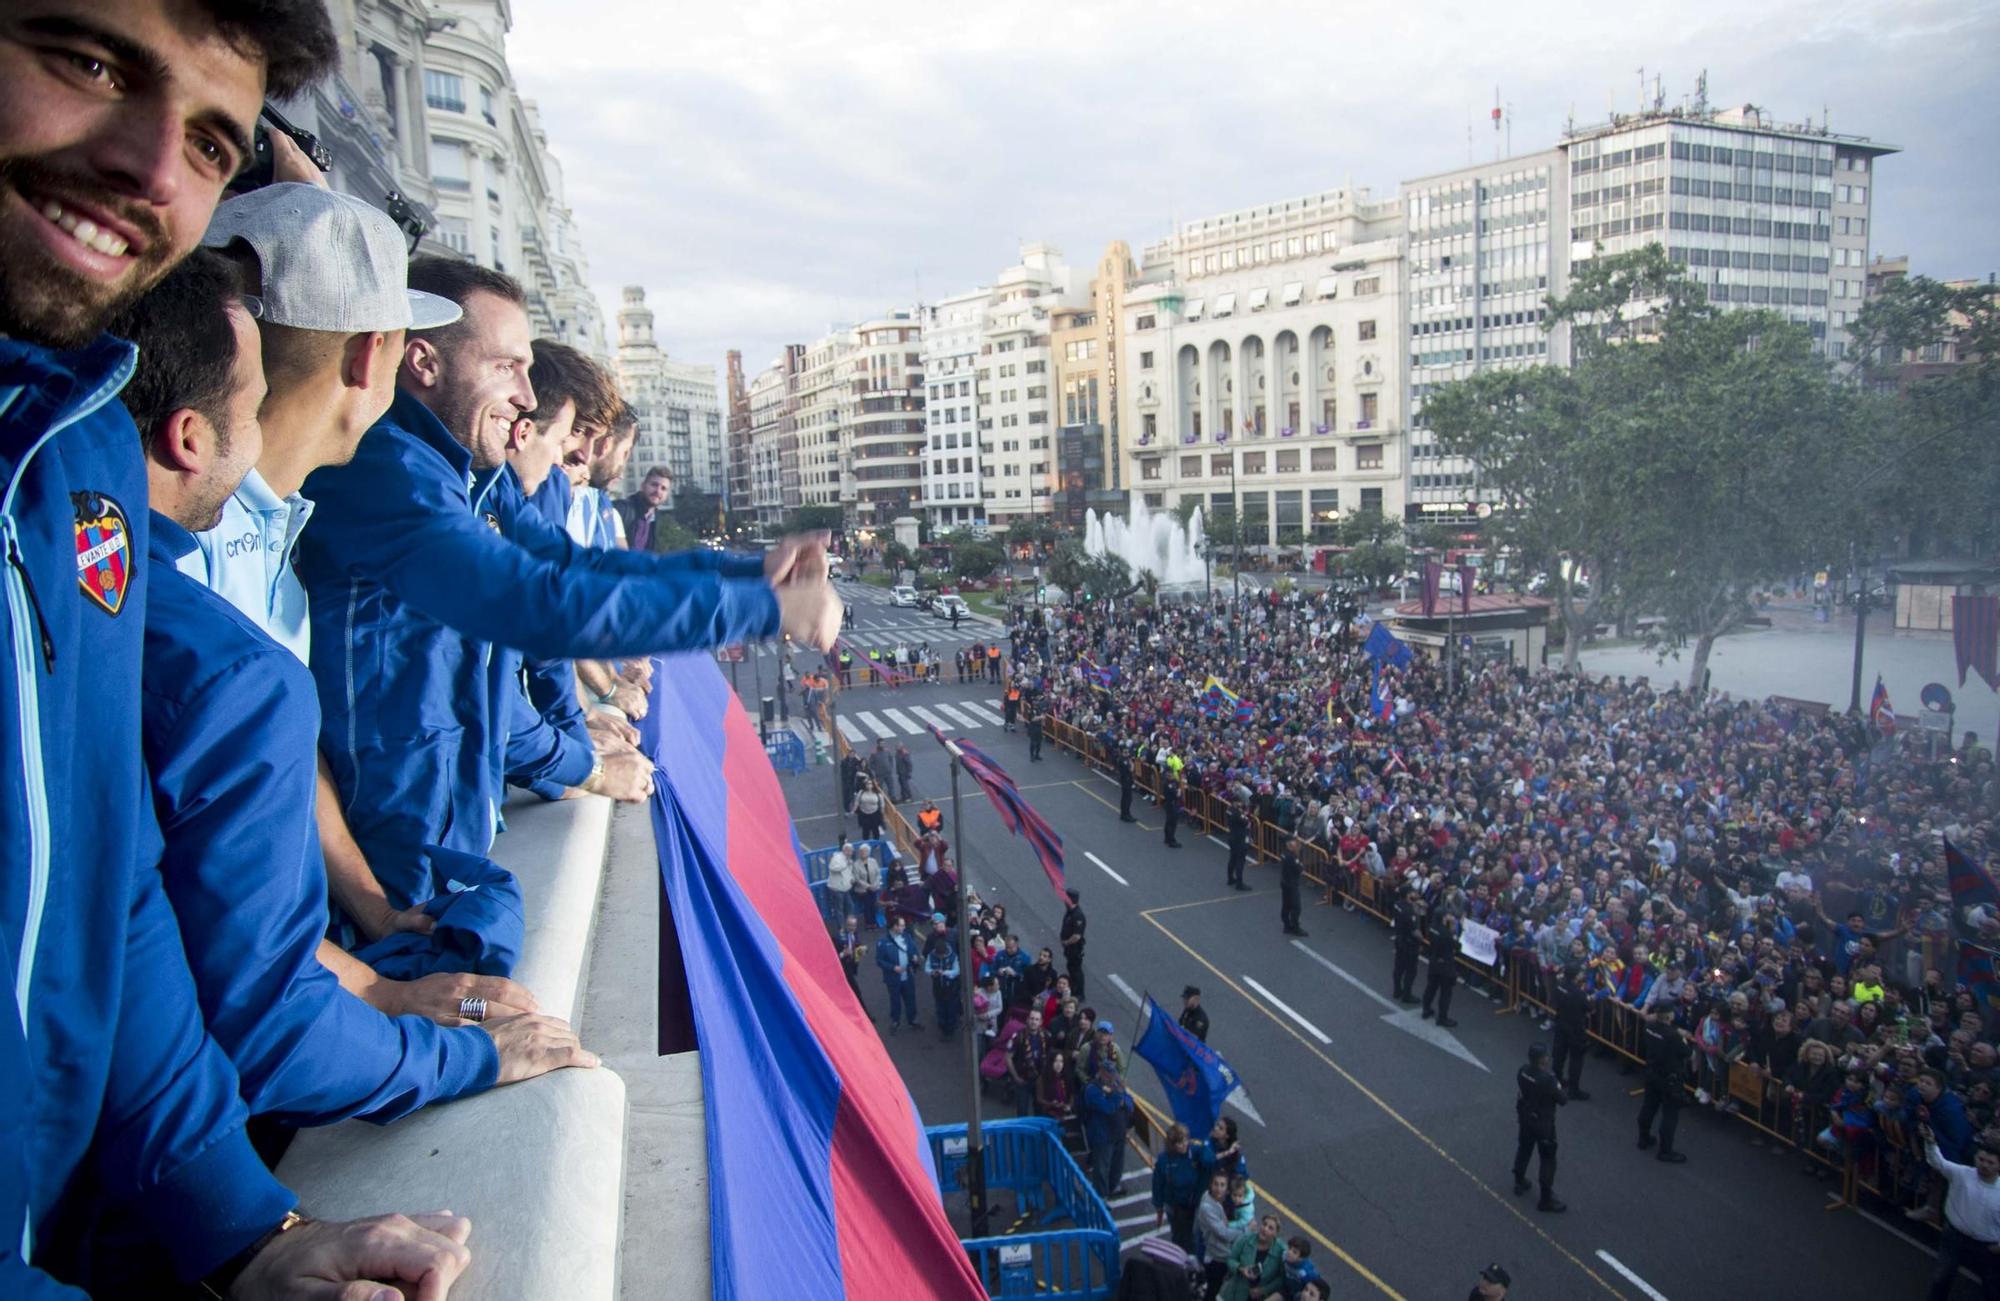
898	558
698	512
1375	545
1106	576
972	560
807	518
1038	531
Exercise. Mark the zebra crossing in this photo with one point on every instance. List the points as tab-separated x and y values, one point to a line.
889	636
890	722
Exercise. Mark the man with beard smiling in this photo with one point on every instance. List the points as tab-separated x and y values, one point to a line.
427	582
120	122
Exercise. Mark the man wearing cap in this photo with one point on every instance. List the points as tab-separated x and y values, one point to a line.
428	584
1492	1285
1073	924
1538	1096
1107	1116
1193	1019
332	336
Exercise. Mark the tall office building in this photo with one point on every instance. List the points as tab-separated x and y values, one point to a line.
952	330
678	405
882	421
1085	345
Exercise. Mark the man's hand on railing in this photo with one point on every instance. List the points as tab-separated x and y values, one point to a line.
630	698
415	1256
535	1045
810	612
627	778
610	734
637	672
440	995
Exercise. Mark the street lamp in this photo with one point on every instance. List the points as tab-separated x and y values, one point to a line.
1236	578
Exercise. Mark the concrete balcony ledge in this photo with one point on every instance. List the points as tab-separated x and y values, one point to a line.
538	1166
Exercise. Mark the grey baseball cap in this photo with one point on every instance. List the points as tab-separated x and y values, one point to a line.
329	261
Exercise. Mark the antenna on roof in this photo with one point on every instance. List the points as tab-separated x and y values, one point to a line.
1701	92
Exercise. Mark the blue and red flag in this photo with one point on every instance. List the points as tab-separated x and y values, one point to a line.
1973	891
1880	711
1975	637
1381	700
820	1181
1018	815
1193	1075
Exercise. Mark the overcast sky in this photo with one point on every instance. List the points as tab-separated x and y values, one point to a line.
767	168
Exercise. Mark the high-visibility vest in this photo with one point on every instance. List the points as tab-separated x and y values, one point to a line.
992	652
931	820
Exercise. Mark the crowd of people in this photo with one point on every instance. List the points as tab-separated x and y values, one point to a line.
312	553
1769	881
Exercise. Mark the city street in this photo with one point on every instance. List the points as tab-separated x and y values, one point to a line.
1386	1140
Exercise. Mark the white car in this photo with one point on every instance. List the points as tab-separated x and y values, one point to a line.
903	594
946	606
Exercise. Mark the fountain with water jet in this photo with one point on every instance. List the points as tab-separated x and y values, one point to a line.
1150	541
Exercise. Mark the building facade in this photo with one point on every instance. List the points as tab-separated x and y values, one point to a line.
678	404
769	394
952	334
1086	347
882	421
1264	358
825	395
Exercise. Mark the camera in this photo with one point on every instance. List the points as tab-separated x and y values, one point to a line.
258	173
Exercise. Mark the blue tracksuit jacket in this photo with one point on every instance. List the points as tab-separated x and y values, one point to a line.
550	684
413	585
231	728
104	1059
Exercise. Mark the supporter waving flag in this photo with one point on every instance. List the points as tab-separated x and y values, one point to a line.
1880	711
1384	647
1381	700
819	1175
1193	1075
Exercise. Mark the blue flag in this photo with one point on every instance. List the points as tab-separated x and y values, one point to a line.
1193	1075
1384	647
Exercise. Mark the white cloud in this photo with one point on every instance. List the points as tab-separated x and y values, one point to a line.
768	167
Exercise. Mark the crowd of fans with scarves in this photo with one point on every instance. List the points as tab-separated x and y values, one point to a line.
1804	891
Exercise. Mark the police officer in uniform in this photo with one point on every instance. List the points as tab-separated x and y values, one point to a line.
1572	1030
1239	843
1441	943
1666	1069
1170	801
1407	927
1073	924
1290	873
1193	1019
1125	785
1535	1112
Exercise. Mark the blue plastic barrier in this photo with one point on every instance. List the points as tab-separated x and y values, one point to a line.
786	752
1027	1159
817	859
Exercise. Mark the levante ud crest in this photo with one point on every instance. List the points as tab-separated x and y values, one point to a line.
103	550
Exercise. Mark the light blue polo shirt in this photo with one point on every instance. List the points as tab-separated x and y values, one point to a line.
247	560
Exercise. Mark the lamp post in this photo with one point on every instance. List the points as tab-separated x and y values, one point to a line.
975	1148
1236	577
1860	627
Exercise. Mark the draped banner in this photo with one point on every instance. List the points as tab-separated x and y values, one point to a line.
820	1180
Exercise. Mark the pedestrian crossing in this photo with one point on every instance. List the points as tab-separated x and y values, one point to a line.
859	725
888	637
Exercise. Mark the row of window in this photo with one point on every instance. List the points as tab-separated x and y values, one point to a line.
446	91
1754	226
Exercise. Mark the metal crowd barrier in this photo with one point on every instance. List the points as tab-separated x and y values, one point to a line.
1888	1167
1027	1159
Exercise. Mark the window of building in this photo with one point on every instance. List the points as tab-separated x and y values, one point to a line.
1219	465
1288	461
1253	462
1368	456
1150	468
1145	361
1325	506
444	90
1371	501
1144	322
1365	331
1368	285
1291	516
448	165
1325	460
486	106
1190	467
454	234
1368	401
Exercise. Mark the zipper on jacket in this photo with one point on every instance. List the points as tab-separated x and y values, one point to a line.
34	602
21	610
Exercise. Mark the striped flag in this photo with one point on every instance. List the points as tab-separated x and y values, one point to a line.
1975	636
1018	815
1880	711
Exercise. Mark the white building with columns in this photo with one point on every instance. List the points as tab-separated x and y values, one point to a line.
1263	353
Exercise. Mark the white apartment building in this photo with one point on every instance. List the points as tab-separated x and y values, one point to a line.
1016	384
825	387
498	190
678	403
882	421
953	329
768	402
1263	353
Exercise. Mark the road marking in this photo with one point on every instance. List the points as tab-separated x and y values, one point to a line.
1264	1194
1282	1006
994	703
897	717
874	724
1131	994
853	734
1630	1277
1219	841
981	711
962	720
933	719
1127	1223
1399	1016
1382	1105
1107	868
1106	803
1129	1199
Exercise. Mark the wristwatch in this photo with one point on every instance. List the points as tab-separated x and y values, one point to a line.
224	1276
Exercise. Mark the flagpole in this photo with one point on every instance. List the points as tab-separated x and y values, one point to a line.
975	1150
833	740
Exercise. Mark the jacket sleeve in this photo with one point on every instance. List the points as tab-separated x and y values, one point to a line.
411	531
545	758
247	885
170	1139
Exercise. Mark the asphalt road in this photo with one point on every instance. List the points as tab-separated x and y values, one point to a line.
1386	1140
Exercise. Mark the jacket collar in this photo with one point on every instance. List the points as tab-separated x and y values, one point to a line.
60	381
168	541
408	414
